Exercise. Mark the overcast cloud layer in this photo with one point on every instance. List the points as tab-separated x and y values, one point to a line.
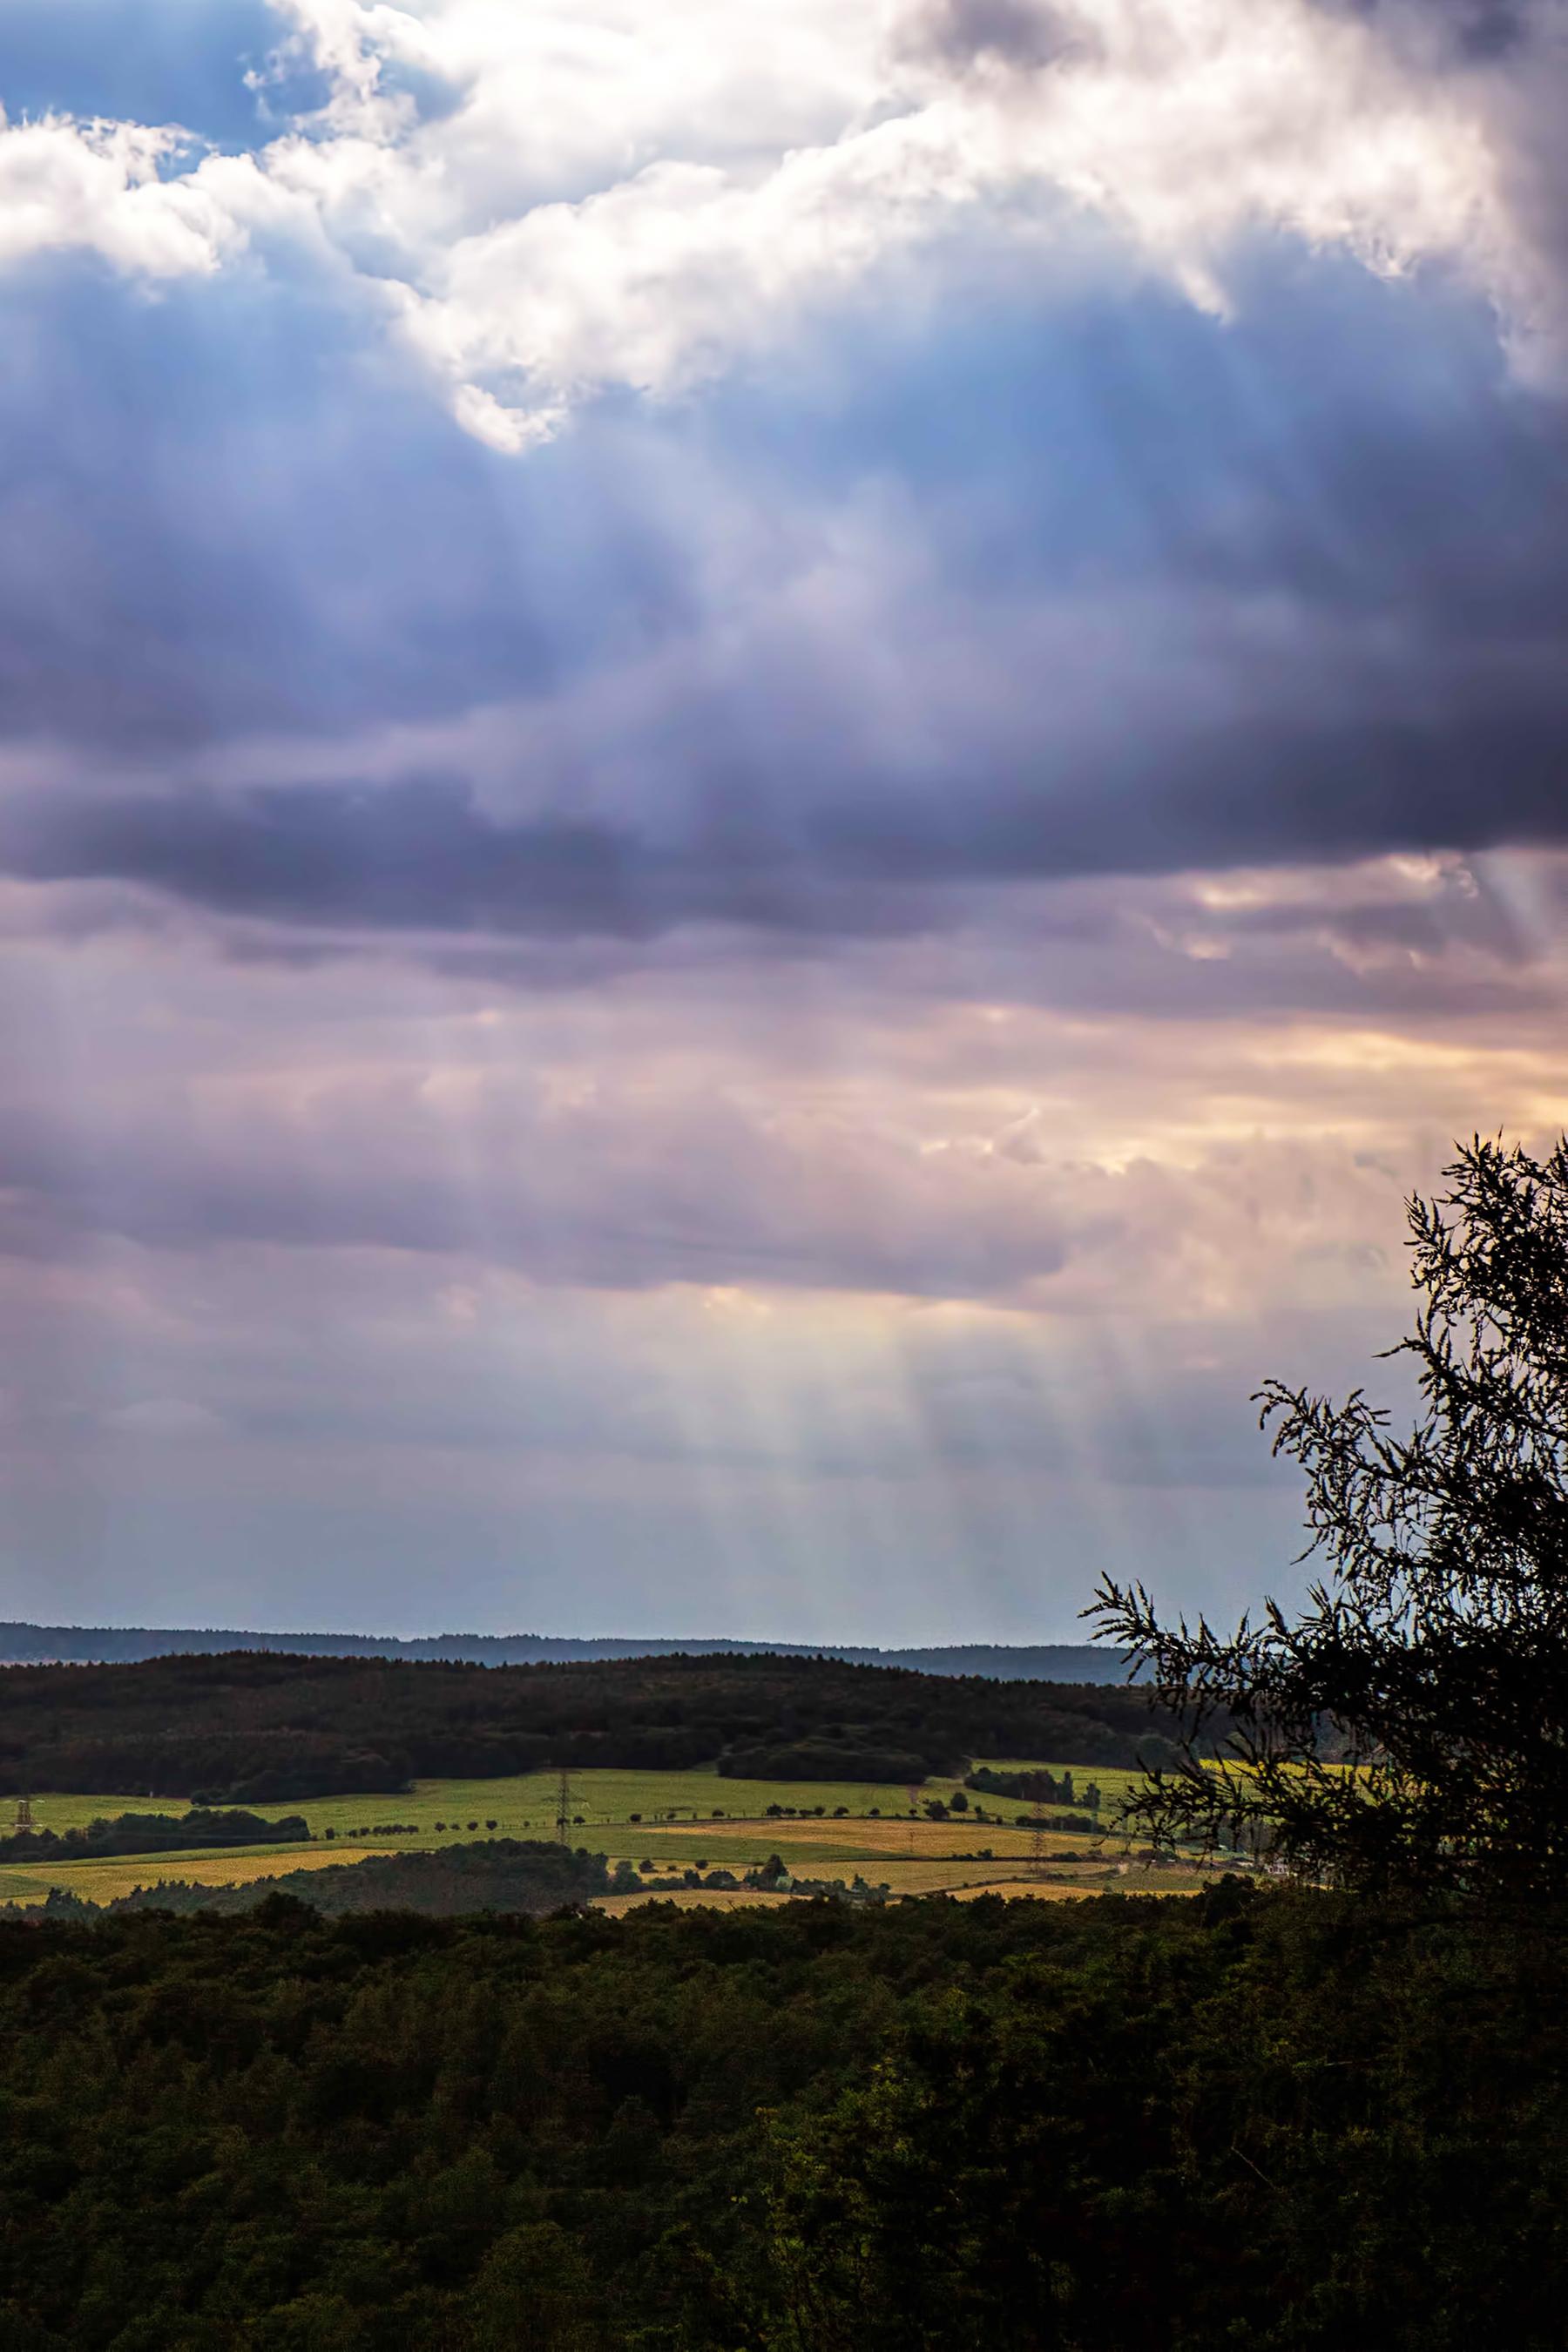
764	773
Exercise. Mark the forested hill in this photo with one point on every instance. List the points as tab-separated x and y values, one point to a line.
1051	1662
250	1727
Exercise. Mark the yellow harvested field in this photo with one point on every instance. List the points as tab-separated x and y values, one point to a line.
106	1881
1053	1890
694	1898
933	1875
872	1838
1015	1890
749	1898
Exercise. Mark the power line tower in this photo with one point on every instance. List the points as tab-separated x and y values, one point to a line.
563	1809
1037	1851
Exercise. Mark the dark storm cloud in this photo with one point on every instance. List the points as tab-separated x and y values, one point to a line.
425	856
217	516
1182	594
1467	31
1020	33
420	856
1253	795
415	856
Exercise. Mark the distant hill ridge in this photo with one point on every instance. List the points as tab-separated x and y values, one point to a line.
1056	1662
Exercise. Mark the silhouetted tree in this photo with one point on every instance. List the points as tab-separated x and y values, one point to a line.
1410	1726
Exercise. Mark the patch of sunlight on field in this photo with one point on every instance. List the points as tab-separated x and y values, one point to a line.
826	1857
696	1899
878	1850
106	1881
876	1838
1179	1881
910	1881
1051	1890
938	1877
1015	1890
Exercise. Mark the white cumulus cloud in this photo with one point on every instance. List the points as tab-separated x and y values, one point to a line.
555	201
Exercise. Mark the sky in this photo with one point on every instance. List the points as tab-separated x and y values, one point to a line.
767	770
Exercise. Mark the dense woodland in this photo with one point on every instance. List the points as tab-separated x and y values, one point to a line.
1289	2120
257	1728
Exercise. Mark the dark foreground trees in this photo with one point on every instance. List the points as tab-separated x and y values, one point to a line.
1410	1728
1296	2121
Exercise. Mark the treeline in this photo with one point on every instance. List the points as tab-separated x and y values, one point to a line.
826	1760
1061	1662
254	1729
151	1833
1035	1788
1287	2120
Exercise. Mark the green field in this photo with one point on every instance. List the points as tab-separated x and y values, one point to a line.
525	1805
675	1820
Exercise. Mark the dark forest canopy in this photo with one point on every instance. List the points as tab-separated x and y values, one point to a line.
1287	2120
257	1728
